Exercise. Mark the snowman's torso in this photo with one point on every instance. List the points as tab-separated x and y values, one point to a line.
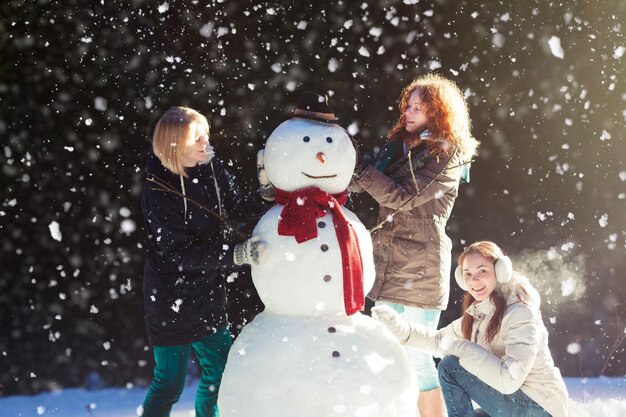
307	278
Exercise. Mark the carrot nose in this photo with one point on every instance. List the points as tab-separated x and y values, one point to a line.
321	157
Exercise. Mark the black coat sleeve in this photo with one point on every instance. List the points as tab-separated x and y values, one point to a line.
242	210
177	242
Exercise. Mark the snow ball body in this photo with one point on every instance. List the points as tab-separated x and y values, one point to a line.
281	366
303	355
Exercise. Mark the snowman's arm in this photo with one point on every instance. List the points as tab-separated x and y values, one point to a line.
178	244
432	181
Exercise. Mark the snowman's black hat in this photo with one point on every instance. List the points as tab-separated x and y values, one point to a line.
315	107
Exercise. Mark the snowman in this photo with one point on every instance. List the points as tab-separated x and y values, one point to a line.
311	353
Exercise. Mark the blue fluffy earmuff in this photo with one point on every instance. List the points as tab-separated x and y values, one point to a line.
503	270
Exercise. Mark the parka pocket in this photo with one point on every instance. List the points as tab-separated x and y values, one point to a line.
408	258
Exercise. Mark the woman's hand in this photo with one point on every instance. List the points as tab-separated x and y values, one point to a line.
367	160
252	251
396	324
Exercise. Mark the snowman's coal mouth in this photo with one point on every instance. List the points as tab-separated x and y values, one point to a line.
319	176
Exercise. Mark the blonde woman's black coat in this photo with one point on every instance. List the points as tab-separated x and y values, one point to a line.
186	255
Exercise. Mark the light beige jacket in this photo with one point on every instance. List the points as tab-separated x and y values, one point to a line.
517	358
412	253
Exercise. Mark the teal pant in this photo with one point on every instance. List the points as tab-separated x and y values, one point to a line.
421	362
171	367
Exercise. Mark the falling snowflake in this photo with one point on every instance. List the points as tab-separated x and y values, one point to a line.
376	31
163	7
176	305
573	348
127	226
332	65
567	287
433	65
207	30
555	47
605	135
55	231
100	103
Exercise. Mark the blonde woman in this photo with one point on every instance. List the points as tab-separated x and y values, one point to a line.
184	283
497	353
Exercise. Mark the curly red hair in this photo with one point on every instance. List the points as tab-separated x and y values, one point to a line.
447	114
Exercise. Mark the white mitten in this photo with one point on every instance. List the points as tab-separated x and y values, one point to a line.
266	188
396	324
252	251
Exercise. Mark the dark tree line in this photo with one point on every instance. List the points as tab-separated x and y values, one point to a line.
82	84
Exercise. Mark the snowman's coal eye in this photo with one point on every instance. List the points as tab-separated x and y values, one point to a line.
306	138
329	139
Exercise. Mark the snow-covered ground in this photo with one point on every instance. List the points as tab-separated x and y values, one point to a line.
608	399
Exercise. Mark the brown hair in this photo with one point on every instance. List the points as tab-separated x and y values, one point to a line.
170	134
498	297
447	115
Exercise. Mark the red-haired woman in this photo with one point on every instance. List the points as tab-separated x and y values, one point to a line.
415	180
497	353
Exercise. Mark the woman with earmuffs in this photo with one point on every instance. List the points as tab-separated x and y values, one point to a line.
497	353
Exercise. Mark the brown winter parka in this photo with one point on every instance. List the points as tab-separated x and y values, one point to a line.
412	252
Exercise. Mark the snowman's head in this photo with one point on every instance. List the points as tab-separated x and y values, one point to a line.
303	153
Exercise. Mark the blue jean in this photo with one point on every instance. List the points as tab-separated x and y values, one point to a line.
460	387
171	367
422	363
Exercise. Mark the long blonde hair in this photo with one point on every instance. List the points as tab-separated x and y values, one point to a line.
170	134
447	115
499	297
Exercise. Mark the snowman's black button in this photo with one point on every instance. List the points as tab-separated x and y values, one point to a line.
327	278
321	225
324	247
331	329
336	354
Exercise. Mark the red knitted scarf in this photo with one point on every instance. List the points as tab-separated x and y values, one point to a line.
298	219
